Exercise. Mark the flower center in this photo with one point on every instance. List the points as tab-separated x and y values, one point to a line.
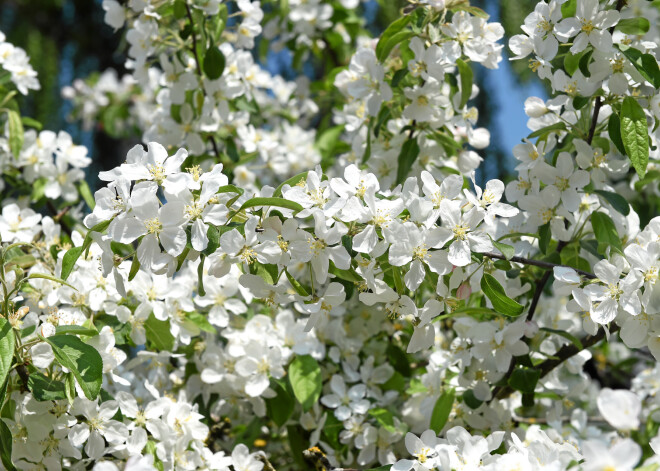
561	183
157	172
248	255
461	230
153	225
316	246
420	252
587	26
614	292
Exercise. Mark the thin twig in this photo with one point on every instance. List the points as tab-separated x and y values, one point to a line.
564	353
537	263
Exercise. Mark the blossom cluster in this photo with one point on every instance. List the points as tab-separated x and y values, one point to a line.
222	306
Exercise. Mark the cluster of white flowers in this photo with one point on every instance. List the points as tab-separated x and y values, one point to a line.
381	309
16	64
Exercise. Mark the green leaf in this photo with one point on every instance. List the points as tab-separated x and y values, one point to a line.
7	343
562	333
201	322
179	9
569	8
86	193
645	64
200	276
507	250
6	443
300	289
69	261
158	333
614	130
557	127
605	230
81	359
76	330
16	133
44	388
44	276
466	81
501	302
327	141
398	359
214	62
135	268
545	236
634	26
306	381
474	11
617	201
70	387
291	182
38	189
279	202
524	380
280	407
392	36
635	134
441	410
471	400
213	235
572	61
383	417
407	157
32	123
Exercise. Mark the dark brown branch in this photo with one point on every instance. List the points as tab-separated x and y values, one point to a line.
599	101
564	353
538	263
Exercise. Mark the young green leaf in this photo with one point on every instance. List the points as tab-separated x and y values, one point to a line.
407	156
306	381
280	407
279	202
200	276
291	182
501	302
466	81
635	134
614	130
7	342
646	64
392	36
81	359
617	201
524	380
634	26
605	230
16	134
384	418
44	276
214	62
158	334
441	410
6	445
507	250
69	261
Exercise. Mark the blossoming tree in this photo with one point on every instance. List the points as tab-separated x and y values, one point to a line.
305	275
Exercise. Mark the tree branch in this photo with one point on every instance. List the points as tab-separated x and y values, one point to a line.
564	353
537	263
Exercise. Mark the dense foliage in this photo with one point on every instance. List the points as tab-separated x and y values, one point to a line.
305	274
